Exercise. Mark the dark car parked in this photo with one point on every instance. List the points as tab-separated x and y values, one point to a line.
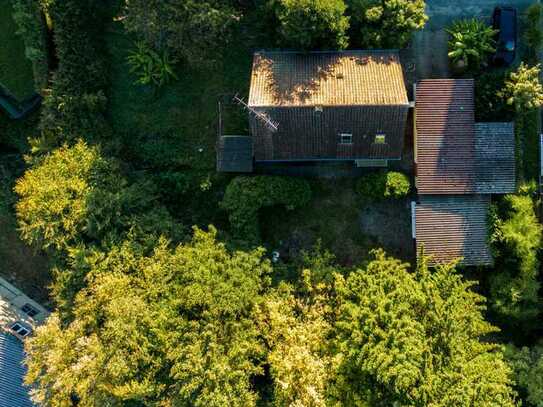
504	19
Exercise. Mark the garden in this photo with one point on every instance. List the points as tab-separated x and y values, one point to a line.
173	284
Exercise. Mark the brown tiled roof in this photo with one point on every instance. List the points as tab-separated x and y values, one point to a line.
452	227
327	79
445	134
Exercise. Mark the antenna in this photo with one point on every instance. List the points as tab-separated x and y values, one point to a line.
259	115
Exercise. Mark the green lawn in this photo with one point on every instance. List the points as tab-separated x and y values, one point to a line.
15	69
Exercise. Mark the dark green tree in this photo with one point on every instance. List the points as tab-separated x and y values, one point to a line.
527	365
169	327
416	339
312	24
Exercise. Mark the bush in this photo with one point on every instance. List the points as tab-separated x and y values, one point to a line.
527	365
151	67
310	24
532	32
76	103
522	89
383	185
29	17
386	23
471	42
489	105
515	241
246	195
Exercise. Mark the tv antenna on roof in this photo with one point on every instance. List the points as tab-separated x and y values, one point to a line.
259	115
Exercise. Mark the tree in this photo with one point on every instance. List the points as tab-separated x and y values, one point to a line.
386	23
76	196
527	365
471	42
523	89
515	240
188	30
416	339
313	24
169	327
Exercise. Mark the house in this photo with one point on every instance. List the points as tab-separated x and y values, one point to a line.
19	316
322	106
459	164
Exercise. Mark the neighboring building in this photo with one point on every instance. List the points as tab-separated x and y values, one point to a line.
459	165
316	106
19	316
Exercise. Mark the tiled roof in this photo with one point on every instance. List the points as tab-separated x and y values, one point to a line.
495	158
454	154
13	393
455	226
235	154
327	79
445	133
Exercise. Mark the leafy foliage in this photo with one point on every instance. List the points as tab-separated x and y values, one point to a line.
523	90
533	35
170	327
386	23
188	30
471	41
76	102
246	195
76	196
527	365
151	67
28	15
310	24
383	185
516	239
489	105
416	339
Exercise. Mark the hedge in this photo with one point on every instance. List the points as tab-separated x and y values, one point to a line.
32	27
246	195
383	185
76	103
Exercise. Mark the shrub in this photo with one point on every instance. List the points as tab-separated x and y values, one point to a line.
386	23
471	42
310	24
527	365
383	185
76	102
29	17
515	241
151	67
522	89
489	105
532	32
246	195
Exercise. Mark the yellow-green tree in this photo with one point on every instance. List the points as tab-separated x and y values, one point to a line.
523	89
416	339
173	327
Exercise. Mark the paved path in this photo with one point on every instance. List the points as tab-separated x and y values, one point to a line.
429	49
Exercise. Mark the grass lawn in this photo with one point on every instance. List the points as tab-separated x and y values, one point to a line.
15	69
344	226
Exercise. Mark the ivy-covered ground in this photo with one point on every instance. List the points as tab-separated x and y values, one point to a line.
15	69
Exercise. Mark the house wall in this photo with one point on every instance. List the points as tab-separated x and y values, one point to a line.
305	134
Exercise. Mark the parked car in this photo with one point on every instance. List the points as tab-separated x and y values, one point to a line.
504	20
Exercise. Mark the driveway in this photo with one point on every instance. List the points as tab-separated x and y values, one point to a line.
429	49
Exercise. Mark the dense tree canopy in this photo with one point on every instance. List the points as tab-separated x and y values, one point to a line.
527	365
170	327
416	339
187	29
76	196
386	23
523	89
312	24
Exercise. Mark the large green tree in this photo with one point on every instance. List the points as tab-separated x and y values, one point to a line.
189	30
516	240
527	365
312	24
173	327
77	196
386	23
416	339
